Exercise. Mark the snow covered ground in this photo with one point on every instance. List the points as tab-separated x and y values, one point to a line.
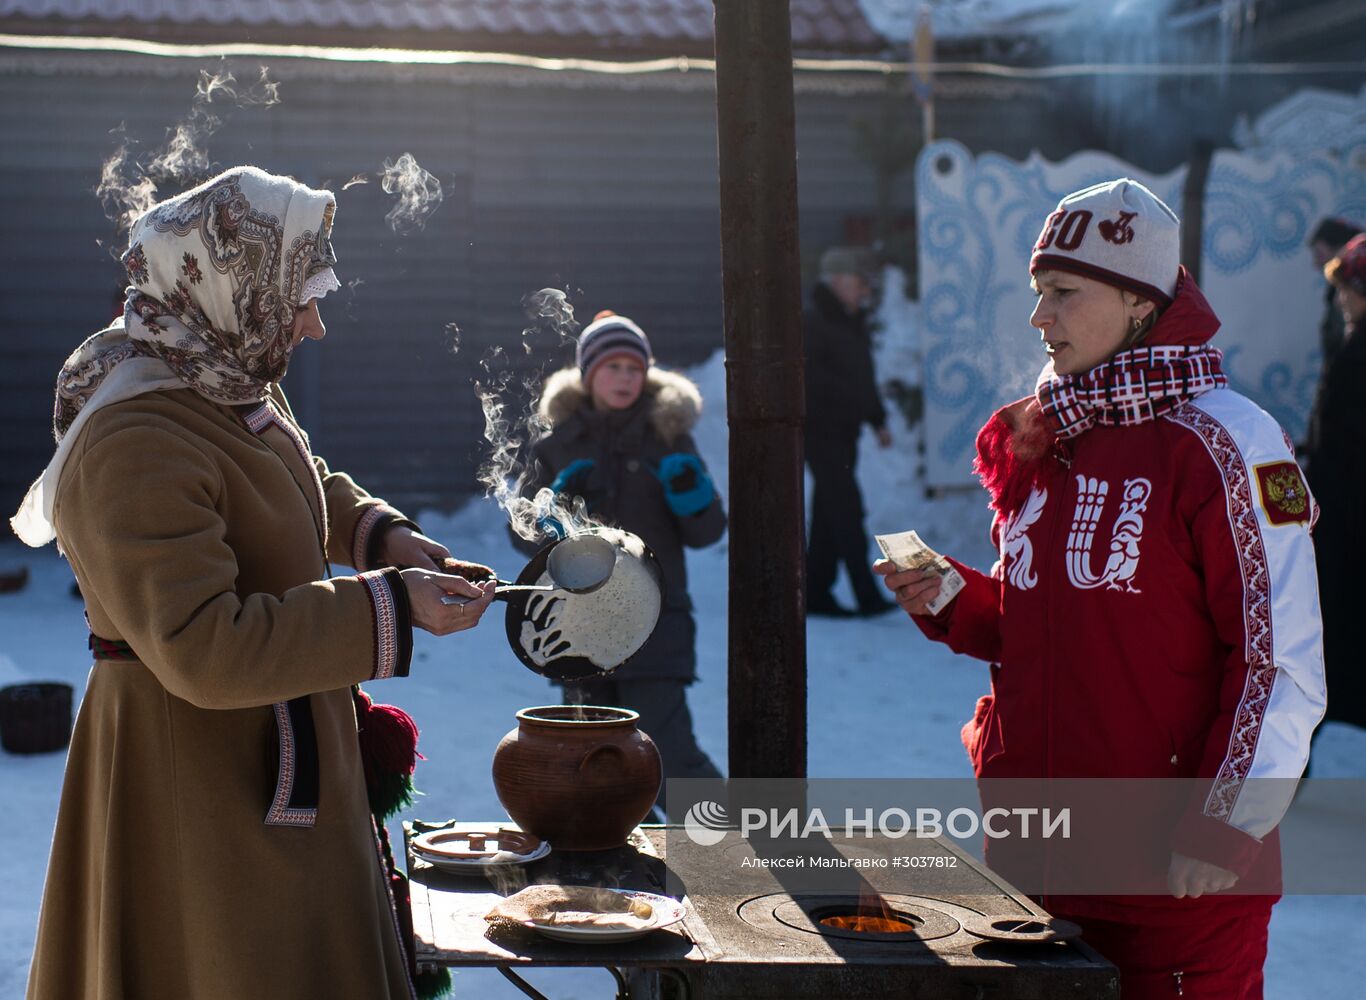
868	680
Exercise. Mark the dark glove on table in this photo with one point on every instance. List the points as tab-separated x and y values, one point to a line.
687	487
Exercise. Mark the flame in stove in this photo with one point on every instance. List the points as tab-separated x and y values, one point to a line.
868	924
871	915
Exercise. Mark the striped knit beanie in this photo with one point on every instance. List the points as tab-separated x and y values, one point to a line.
609	336
1118	232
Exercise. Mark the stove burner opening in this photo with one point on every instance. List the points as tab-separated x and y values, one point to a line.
877	921
864	920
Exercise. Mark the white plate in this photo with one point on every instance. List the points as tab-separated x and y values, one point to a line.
666	911
445	842
474	866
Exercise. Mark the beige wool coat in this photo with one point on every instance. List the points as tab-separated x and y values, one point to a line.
182	866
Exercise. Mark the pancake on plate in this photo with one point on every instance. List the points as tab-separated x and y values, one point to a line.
572	906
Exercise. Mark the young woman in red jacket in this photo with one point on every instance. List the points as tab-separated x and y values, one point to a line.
1154	612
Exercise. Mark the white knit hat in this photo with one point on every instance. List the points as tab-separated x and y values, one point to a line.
1118	232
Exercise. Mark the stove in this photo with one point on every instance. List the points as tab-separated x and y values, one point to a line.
966	934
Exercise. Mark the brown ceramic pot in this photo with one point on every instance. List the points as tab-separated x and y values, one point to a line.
579	776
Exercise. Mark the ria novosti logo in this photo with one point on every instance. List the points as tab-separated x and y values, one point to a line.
706	823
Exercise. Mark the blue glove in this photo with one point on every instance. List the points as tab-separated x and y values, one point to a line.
550	527
687	487
573	478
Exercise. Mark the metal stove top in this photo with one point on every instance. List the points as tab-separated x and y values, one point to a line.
769	945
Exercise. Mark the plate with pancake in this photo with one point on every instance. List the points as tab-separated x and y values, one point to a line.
587	914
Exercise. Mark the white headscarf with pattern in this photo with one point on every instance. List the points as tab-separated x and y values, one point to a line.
216	275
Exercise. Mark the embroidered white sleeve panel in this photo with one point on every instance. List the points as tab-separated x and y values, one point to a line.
1284	694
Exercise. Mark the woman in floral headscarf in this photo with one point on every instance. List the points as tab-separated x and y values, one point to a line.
215	836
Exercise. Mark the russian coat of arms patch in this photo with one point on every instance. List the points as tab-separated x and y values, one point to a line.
1284	496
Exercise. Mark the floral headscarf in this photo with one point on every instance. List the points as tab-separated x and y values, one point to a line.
216	275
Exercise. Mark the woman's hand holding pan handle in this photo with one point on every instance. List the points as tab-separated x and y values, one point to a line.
402	546
427	587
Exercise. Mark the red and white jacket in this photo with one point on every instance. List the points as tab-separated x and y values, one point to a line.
1154	612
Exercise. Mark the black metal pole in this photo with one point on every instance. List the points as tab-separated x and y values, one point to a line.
1193	205
765	402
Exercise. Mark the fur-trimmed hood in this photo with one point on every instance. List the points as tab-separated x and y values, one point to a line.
674	400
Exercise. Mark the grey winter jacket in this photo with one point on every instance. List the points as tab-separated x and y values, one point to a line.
626	447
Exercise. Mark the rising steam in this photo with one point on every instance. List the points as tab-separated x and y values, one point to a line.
124	190
419	194
507	471
551	320
129	185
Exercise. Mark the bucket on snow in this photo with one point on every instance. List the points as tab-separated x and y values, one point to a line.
35	718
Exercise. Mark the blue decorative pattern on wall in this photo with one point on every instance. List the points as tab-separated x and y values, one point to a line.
979	218
1259	212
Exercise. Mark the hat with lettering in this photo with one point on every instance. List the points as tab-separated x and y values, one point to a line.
1118	232
609	336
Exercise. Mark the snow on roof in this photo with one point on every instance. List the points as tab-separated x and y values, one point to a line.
896	19
817	25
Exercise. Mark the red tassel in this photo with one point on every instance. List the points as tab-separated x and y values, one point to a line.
995	461
1015	453
388	739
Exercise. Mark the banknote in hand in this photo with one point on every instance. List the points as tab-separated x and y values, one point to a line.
908	551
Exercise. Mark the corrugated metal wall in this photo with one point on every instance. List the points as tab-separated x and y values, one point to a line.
608	192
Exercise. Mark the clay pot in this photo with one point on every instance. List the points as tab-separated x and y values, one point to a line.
579	776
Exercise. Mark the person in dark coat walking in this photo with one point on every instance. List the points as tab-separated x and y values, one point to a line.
841	396
1337	475
1330	236
620	438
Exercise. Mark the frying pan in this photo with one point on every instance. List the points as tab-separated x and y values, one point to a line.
579	564
538	608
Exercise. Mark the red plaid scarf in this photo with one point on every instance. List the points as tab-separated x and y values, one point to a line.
1131	388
